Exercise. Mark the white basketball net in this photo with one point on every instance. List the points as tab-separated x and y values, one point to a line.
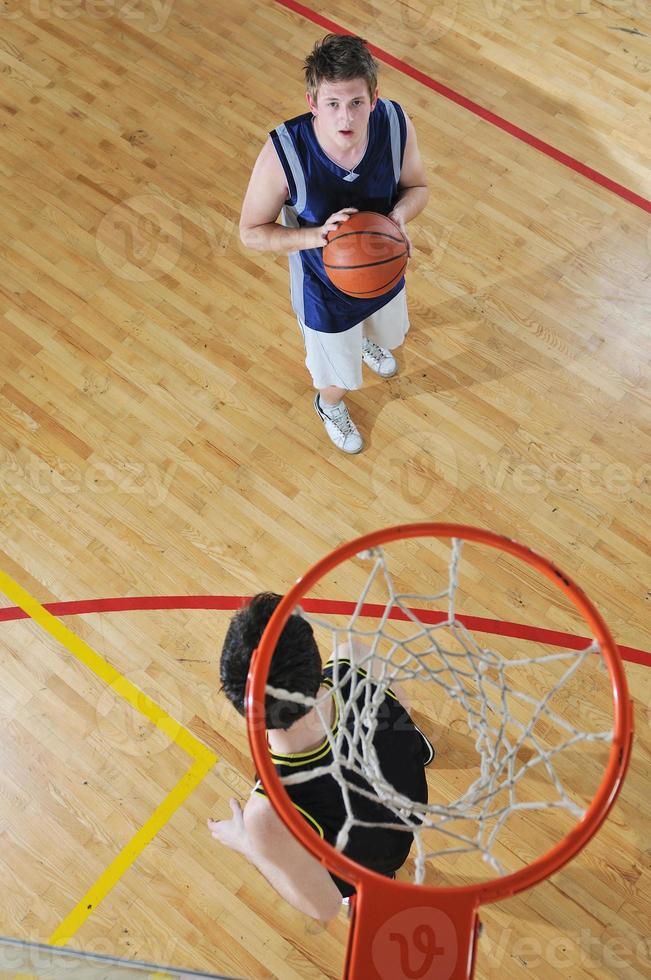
476	678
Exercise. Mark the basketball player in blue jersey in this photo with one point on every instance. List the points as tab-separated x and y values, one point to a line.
297	741
351	152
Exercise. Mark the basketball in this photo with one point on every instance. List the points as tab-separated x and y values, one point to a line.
366	256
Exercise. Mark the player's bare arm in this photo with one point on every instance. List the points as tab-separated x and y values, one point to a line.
265	196
259	834
414	192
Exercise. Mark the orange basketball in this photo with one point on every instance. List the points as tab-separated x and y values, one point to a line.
366	255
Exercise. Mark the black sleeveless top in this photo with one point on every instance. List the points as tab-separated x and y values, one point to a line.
400	752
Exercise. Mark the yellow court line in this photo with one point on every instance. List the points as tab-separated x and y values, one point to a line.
128	855
204	758
101	667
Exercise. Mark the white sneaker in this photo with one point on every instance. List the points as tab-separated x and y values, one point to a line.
339	426
379	359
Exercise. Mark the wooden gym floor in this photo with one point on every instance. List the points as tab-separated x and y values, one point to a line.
158	437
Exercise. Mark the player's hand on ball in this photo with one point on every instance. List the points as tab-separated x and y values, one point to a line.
397	219
334	221
231	832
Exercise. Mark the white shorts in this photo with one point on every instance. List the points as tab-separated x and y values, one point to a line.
336	358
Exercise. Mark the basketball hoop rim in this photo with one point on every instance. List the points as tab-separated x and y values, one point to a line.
616	767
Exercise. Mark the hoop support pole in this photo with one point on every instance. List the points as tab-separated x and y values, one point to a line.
397	932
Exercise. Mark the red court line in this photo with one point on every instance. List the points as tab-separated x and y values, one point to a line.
477	110
478	624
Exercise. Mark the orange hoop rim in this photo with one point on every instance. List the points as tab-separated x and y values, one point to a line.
609	787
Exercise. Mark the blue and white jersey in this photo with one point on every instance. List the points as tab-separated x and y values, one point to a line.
317	188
